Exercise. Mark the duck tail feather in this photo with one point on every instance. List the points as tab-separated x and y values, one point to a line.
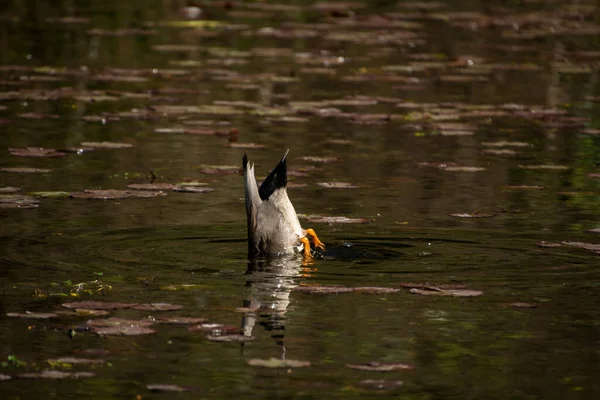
277	179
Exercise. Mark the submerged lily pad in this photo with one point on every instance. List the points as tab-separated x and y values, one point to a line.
548	167
112	194
75	360
215	329
126	330
380	367
432	291
36	152
25	170
180	320
166	388
110	322
337	185
54	374
9	189
106	145
192	189
151	186
336	220
323	289
55	194
34	315
277	363
587	246
157	307
380	384
230	338
375	290
98	305
18	201
473	215
523	305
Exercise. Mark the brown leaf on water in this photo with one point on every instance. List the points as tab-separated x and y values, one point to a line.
107	145
277	363
375	290
151	186
380	384
111	194
25	170
33	315
166	388
323	289
98	305
54	374
473	215
157	307
337	185
380	367
35	152
179	320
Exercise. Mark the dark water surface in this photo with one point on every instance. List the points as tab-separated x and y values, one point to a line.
461	140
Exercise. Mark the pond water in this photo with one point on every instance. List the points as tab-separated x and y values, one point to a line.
447	154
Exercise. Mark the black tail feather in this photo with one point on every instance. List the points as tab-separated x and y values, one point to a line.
245	161
277	179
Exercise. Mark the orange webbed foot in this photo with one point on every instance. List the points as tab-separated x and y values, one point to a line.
316	241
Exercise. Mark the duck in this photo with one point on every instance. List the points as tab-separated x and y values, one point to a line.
273	225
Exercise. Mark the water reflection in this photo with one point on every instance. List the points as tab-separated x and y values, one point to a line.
270	282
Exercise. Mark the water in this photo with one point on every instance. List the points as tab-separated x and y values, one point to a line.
441	87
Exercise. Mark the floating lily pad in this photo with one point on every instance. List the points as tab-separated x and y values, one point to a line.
587	246
523	305
548	244
192	189
56	194
324	160
25	170
106	145
277	363
34	315
442	286
337	185
183	286
432	291
129	330
230	338
236	145
75	360
5	377
79	312
166	388
180	320
98	305
111	194
548	167
323	289
375	290
112	322
380	384
499	152
36	152
157	307
380	367
9	189
54	374
151	186
336	220
524	187
18	201
473	215
464	169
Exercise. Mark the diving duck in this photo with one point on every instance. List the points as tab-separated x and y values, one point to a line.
273	226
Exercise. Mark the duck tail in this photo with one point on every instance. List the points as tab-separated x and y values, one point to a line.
277	179
252	202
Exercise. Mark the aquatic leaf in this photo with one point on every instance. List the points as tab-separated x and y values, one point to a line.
473	215
336	220
34	315
106	145
277	363
215	329
180	320
192	189
9	189
380	367
166	388
337	185
5	377
503	143
54	374
54	195
324	160
111	322
586	246
550	167
323	289
157	307
183	286
375	290
36	152
98	305
524	187
464	169
236	145
498	152
380	384
110	194
126	330
230	338
151	186
84	313
75	360
548	244
594	230
18	201
433	291
25	170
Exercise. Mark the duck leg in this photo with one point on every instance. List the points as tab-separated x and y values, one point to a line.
316	241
